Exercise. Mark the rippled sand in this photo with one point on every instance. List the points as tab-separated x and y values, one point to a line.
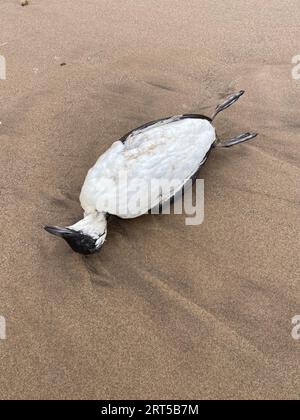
165	310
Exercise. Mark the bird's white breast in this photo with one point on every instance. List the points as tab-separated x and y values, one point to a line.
171	150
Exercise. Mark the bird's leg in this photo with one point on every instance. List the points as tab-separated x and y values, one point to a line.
229	101
236	140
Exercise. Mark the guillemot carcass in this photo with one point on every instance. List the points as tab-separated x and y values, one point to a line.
173	148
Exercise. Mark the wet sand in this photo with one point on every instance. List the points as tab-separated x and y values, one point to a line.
165	310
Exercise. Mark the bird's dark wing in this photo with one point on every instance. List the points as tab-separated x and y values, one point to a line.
162	120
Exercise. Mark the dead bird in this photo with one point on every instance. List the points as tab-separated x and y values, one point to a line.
173	148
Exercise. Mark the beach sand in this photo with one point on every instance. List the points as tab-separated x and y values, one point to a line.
165	310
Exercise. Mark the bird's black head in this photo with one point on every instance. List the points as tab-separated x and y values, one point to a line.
78	241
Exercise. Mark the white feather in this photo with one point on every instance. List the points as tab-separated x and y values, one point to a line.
170	150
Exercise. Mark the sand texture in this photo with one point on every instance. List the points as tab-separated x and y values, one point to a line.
165	310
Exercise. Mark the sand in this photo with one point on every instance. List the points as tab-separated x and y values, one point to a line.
165	310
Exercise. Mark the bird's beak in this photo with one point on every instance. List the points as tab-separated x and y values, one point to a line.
59	231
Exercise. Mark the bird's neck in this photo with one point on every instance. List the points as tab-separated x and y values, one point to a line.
93	224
